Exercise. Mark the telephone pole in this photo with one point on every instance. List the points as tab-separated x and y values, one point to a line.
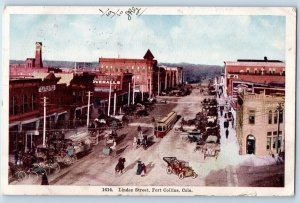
279	109
109	98
133	91
88	109
128	103
44	126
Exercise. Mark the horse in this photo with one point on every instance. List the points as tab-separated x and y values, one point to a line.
120	166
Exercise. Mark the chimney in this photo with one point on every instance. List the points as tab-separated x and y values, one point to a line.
38	55
265	58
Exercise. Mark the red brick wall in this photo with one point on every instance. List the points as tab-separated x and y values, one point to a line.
142	69
254	79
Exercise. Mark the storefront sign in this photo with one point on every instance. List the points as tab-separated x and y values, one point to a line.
47	88
106	82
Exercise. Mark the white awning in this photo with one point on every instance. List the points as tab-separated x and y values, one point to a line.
14	123
60	113
30	121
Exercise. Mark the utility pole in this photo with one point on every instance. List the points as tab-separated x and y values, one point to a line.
133	90
115	102
128	103
151	84
158	87
44	126
109	98
279	109
88	109
142	92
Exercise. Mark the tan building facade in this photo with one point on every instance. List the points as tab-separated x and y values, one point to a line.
257	123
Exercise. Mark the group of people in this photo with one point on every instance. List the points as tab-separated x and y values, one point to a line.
140	139
141	167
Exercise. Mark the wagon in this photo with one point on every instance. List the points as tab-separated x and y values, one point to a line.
179	168
211	147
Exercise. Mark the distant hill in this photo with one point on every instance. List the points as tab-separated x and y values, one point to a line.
193	73
60	64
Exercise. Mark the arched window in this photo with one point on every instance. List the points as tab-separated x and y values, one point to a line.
270	117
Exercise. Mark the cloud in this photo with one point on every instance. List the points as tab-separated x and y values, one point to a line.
193	39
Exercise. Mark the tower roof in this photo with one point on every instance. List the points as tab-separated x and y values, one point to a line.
149	55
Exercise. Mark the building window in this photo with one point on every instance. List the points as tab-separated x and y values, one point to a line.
255	71
262	71
13	106
24	104
277	139
33	102
106	68
270	117
59	101
269	140
276	116
270	71
251	117
241	71
116	69
248	71
138	69
283	72
143	69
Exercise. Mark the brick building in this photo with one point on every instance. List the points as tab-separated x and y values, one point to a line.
256	71
257	121
31	65
120	86
66	106
142	70
166	78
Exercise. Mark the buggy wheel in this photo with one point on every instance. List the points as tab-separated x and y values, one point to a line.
56	168
74	158
21	175
169	170
181	175
68	161
217	154
34	175
195	175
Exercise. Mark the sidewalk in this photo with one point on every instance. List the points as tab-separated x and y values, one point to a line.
230	146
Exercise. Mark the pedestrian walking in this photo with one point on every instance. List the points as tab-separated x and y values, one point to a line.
227	133
45	179
135	142
141	168
16	156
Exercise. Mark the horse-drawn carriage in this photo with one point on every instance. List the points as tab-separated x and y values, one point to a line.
179	168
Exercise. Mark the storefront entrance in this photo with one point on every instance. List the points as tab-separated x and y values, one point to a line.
250	145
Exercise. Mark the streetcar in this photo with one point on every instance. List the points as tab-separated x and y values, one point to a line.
162	127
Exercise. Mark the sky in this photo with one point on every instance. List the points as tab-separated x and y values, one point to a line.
198	39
